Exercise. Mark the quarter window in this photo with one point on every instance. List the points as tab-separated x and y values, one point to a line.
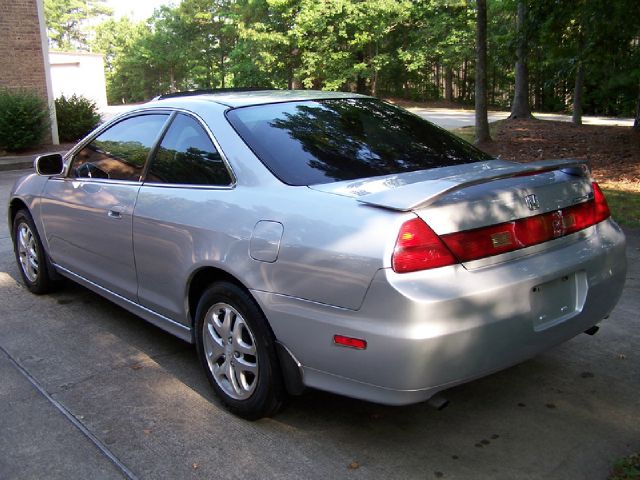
187	156
120	152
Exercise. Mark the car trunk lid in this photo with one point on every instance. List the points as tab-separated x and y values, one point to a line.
490	194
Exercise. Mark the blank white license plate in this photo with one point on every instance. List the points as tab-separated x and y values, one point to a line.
555	301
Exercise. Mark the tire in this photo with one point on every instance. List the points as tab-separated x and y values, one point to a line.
31	257
237	350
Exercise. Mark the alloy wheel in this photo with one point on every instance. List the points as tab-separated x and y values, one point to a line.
230	350
28	253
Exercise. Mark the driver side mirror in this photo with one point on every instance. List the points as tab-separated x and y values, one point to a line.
50	164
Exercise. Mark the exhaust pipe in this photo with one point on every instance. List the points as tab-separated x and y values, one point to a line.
438	402
593	330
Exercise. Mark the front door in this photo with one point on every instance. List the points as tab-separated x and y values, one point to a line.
88	214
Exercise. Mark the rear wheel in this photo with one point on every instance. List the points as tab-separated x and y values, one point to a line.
237	351
30	255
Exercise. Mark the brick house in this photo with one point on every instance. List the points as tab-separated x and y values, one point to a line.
24	60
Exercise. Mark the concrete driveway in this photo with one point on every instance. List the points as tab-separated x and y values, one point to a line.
91	391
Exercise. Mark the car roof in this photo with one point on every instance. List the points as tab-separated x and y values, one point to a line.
236	99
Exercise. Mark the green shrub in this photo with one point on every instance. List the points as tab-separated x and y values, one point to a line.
24	119
76	116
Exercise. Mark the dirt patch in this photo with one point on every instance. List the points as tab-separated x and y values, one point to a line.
613	152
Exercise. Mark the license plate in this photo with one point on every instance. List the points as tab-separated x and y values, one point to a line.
558	300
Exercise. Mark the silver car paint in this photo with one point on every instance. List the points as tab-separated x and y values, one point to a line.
425	330
429	330
324	260
419	189
88	228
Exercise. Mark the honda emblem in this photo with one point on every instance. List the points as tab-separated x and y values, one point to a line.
532	201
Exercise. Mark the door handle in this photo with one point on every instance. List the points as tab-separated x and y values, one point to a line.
115	212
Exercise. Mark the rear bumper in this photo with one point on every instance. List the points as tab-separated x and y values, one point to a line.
427	331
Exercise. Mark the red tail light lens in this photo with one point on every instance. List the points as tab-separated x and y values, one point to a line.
525	232
419	248
602	211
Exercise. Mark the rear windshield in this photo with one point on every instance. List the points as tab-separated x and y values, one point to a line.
323	141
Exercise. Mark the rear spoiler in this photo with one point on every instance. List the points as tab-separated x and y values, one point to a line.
421	194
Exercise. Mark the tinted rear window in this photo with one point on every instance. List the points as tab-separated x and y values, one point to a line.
306	143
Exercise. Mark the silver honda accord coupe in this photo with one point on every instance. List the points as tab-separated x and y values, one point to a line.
326	240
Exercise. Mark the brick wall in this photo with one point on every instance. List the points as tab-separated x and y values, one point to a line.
21	60
21	56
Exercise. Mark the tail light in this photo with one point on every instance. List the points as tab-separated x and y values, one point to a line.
419	248
602	211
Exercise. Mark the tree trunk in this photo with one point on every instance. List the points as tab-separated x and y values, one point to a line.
222	68
292	82
463	86
520	107
448	84
374	83
482	121
172	81
636	124
577	95
537	92
374	75
493	84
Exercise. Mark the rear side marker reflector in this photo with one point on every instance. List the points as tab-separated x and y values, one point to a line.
356	343
419	248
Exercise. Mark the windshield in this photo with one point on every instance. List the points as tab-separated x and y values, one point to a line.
322	141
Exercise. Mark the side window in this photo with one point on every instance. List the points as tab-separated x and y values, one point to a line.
120	152
187	156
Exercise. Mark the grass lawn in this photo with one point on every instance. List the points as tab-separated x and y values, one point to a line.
469	133
624	202
627	468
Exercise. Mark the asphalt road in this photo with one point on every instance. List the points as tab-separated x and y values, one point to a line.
91	391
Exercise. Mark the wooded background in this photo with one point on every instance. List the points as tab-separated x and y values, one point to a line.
419	50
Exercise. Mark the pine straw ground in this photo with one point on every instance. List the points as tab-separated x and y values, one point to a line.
613	152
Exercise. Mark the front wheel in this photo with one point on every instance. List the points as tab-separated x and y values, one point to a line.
30	254
237	350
